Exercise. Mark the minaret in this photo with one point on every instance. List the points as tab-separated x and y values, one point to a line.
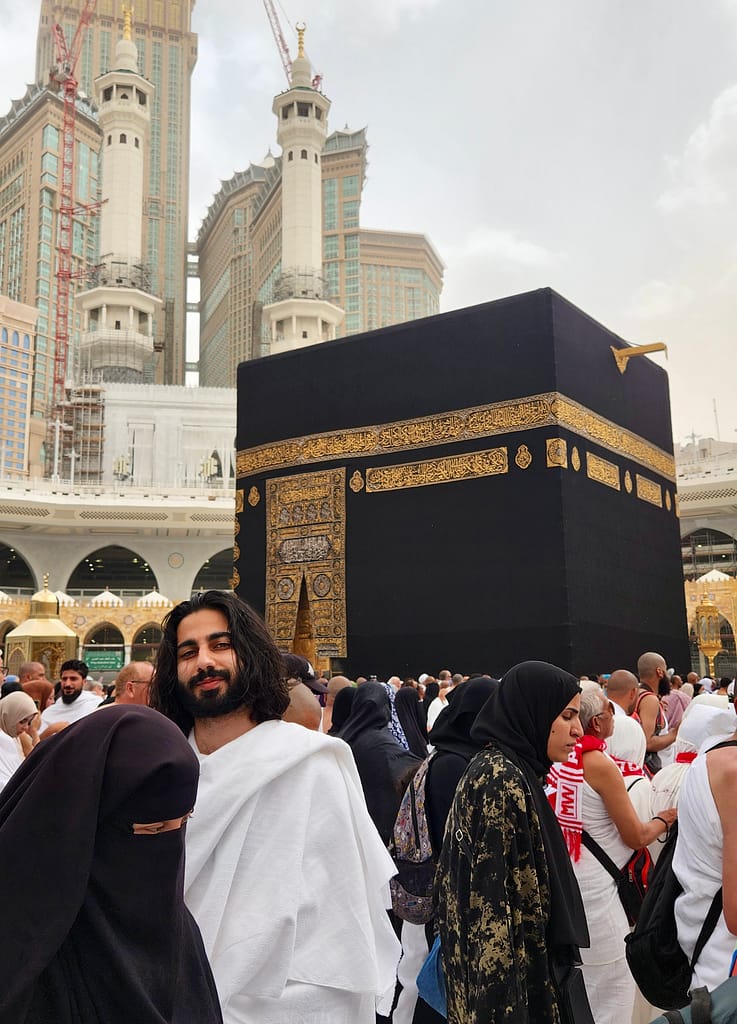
300	315
119	311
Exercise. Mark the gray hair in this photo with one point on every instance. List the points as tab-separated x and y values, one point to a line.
593	702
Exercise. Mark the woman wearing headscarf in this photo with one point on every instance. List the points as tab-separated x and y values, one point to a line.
509	911
407	705
342	708
384	766
109	939
432	690
17	715
453	749
395	726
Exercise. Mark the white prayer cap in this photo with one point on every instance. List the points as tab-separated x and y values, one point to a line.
423	677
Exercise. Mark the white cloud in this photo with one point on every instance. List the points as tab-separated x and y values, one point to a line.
501	246
704	175
656	299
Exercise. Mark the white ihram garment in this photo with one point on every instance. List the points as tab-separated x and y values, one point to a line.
288	880
697	864
609	984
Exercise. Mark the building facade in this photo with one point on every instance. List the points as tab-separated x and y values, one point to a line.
30	179
17	347
167	53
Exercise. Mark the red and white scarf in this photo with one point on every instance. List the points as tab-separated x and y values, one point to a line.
628	768
565	793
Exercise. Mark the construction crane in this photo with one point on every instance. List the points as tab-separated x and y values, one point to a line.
281	45
65	78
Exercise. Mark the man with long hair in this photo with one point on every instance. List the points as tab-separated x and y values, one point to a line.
279	807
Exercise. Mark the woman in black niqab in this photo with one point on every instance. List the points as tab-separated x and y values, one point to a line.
107	936
412	720
384	766
505	882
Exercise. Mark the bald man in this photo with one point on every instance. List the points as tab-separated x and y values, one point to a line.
651	668
133	683
335	685
622	688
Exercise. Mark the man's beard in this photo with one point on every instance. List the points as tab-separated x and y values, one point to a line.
213	703
69	698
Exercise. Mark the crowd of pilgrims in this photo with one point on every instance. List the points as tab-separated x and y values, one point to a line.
530	925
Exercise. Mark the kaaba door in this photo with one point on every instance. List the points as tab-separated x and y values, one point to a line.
304	634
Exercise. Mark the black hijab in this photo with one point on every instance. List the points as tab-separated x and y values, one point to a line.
407	704
452	729
107	934
516	719
384	766
432	690
341	709
370	710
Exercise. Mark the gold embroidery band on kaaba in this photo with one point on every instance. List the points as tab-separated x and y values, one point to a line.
548	410
437	471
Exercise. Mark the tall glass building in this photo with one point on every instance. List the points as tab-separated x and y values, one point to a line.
167	53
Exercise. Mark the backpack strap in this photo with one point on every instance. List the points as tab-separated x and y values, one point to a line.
674	1017
700	1006
710	923
724	743
603	858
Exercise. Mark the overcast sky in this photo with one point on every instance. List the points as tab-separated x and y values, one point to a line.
582	144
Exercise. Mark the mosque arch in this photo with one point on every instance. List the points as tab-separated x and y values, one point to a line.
113	567
15	572
5	628
216	572
705	549
146	642
104	648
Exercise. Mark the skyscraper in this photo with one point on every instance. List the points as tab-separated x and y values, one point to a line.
167	53
30	175
247	241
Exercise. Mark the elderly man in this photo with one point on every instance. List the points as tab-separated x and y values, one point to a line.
289	939
651	668
133	684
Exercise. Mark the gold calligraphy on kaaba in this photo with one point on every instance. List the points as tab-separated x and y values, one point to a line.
602	471
305	559
648	490
548	410
556	452
239	500
446	470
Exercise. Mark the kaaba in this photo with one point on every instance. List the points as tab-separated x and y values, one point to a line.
466	491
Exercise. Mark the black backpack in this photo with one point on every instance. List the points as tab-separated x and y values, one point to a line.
658	964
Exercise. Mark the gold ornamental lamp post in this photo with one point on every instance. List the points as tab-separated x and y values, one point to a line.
707	631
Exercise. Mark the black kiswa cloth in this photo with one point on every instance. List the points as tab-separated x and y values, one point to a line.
94	929
516	719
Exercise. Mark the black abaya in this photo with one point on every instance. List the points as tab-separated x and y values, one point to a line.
94	927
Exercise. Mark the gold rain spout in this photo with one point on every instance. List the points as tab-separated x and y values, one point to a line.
301	39
623	355
127	21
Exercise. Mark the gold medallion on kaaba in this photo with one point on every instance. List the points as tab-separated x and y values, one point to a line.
523	458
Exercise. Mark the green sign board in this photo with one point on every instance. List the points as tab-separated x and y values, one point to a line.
103	661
